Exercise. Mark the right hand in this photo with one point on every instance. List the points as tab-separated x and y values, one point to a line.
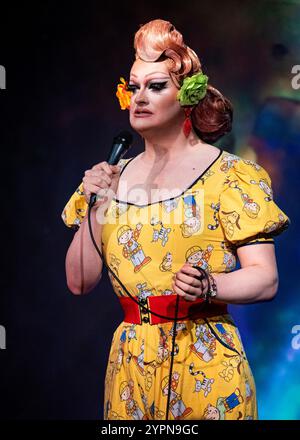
102	179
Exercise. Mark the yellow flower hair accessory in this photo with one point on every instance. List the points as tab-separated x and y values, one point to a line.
123	94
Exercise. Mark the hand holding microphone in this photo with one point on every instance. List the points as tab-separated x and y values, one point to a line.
106	174
98	180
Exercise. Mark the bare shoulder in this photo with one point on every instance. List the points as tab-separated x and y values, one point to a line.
204	154
208	149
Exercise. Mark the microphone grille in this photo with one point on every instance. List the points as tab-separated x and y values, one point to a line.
125	136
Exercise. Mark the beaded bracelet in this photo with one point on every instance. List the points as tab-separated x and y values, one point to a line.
212	288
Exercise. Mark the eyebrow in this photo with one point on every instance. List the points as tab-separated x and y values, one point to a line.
152	73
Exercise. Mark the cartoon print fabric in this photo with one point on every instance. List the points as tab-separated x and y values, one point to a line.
230	205
209	381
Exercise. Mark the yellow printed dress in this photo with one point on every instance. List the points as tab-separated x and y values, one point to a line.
229	205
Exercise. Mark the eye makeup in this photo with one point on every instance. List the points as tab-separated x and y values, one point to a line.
156	86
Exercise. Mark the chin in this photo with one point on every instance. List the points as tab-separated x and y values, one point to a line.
142	127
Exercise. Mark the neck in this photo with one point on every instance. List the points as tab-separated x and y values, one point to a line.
169	146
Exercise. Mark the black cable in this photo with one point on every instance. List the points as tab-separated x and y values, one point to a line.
219	339
170	318
172	357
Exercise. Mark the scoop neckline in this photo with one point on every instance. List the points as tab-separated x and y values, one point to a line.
171	198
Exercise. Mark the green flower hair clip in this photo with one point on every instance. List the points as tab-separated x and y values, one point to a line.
193	89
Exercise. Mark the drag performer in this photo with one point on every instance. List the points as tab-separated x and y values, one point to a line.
182	206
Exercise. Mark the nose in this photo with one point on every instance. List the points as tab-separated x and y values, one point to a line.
141	97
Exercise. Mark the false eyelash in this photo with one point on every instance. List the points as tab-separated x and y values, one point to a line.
157	86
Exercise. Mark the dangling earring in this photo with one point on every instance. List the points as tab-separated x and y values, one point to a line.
187	125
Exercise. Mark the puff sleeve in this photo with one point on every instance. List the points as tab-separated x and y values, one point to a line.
76	208
248	213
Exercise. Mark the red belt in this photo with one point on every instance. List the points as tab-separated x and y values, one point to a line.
165	305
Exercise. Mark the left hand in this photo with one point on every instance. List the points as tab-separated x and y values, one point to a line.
187	285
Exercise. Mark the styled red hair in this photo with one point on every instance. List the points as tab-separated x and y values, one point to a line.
158	40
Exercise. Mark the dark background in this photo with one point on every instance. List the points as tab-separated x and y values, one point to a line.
59	114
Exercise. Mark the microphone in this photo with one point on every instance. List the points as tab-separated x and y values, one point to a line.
121	144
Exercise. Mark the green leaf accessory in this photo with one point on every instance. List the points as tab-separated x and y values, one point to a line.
193	89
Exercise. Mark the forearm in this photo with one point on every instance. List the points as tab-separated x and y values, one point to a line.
246	285
83	263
